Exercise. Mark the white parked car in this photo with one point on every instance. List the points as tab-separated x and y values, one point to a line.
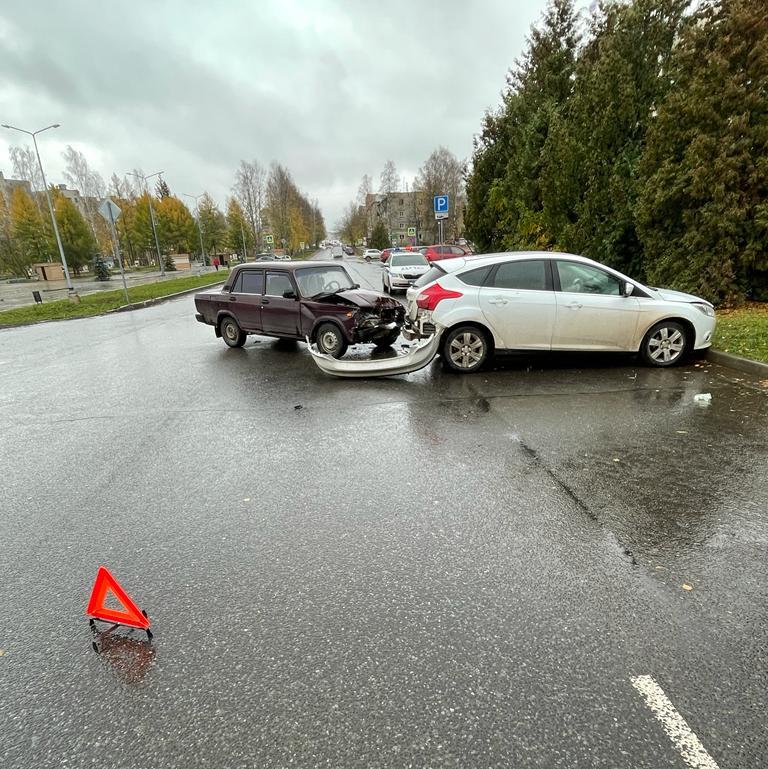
551	301
371	253
403	269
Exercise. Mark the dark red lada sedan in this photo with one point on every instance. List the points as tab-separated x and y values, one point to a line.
300	300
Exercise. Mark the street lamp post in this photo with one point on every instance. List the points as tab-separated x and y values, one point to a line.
33	134
152	216
199	226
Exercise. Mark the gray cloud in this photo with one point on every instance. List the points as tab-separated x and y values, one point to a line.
329	88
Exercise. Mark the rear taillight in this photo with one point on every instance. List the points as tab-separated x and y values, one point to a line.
430	297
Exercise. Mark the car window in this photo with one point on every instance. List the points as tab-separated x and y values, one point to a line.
278	283
430	275
584	279
407	259
530	275
318	280
250	282
457	251
476	277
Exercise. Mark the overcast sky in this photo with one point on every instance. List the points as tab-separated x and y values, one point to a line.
330	89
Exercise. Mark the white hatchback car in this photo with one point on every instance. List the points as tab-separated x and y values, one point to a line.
403	269
526	301
371	253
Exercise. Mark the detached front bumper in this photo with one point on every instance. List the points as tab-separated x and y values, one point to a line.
416	358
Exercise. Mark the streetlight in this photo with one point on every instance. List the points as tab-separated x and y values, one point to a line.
199	227
152	215
34	134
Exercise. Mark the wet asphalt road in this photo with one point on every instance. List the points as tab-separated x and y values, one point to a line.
430	571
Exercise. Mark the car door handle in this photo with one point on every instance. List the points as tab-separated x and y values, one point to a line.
498	300
574	305
265	301
232	298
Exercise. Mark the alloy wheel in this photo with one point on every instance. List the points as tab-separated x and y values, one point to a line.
666	345
466	350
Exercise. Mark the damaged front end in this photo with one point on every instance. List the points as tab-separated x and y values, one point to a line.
374	325
417	357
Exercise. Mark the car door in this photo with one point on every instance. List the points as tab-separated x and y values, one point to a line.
518	302
245	299
280	314
592	312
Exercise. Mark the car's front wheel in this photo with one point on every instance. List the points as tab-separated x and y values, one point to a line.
330	340
231	333
665	344
465	349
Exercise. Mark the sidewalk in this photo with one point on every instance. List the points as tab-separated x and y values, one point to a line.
20	294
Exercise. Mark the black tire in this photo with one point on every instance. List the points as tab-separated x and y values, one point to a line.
665	344
465	349
388	340
231	333
330	340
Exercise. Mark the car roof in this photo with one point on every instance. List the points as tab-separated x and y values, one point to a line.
287	265
480	260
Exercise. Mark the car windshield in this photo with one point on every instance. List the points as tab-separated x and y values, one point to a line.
316	281
408	259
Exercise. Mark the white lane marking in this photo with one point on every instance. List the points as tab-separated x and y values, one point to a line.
682	736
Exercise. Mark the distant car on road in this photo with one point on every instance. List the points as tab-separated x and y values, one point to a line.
265	257
371	253
348	250
538	300
296	300
337	252
403	269
437	252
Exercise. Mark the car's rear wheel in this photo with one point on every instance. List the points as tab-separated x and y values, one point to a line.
665	344
231	333
330	340
465	349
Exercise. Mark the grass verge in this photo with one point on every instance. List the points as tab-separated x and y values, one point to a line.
743	331
103	301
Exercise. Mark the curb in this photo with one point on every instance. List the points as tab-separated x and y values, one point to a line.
156	300
737	362
124	308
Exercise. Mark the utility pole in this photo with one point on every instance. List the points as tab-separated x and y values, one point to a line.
152	216
70	288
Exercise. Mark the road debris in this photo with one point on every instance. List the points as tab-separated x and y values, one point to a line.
703	398
686	586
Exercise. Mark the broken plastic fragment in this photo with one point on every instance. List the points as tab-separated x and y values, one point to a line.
687	587
702	398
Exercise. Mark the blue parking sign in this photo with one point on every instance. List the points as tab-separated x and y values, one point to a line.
441	204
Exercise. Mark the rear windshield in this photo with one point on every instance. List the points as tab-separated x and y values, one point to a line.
432	274
408	259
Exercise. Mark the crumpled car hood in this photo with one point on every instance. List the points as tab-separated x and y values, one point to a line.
361	297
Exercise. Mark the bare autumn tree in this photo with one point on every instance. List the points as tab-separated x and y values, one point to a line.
250	191
441	174
389	181
25	166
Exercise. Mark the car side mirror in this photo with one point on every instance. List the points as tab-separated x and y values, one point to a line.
290	294
627	289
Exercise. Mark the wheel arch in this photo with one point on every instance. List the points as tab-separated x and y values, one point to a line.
474	324
223	314
323	320
684	322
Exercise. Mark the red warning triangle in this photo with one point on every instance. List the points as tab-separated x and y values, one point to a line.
131	615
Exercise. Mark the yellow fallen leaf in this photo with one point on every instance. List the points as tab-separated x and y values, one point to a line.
682	432
687	587
247	499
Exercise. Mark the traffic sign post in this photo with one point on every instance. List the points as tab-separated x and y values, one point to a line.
111	211
441	212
